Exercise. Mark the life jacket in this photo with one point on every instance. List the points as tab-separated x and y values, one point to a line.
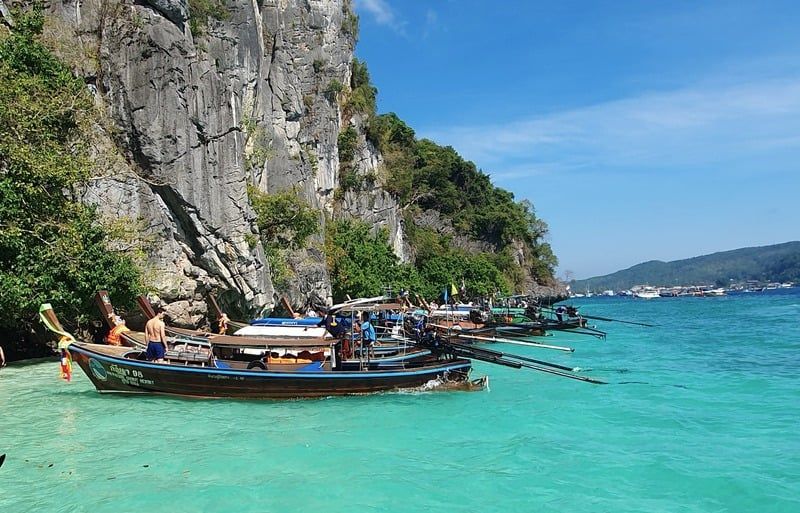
114	338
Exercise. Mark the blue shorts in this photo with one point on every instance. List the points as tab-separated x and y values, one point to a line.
155	350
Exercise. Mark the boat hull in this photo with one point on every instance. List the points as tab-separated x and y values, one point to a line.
116	373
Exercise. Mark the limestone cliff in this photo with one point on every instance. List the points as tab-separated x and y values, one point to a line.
198	99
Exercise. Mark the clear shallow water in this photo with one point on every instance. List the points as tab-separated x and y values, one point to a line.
703	416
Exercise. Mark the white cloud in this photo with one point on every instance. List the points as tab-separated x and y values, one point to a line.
697	125
381	11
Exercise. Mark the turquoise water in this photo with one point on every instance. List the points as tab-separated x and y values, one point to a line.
703	416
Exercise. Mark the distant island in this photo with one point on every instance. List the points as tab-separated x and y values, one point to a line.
775	263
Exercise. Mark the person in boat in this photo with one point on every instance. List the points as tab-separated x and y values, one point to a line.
333	327
560	311
156	337
223	323
368	335
115	335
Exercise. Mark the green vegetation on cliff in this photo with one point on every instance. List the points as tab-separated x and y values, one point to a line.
779	262
428	178
52	248
363	264
285	223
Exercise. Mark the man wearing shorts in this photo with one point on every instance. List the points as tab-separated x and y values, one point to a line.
368	335
156	338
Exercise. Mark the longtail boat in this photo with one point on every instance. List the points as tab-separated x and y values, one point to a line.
265	351
202	373
199	368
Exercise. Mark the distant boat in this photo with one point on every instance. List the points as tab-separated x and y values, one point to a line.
714	292
646	293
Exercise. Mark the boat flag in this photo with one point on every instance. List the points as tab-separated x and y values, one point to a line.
453	289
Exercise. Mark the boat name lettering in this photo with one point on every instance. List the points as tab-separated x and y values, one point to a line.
226	377
131	377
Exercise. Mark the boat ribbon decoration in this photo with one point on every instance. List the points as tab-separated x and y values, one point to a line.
50	321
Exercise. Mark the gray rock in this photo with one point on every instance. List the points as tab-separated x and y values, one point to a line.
192	119
174	10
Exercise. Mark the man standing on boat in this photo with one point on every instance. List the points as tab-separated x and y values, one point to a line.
368	335
331	326
156	338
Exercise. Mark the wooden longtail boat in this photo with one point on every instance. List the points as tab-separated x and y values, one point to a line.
201	373
119	369
390	349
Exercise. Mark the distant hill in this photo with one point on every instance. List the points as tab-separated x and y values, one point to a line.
779	262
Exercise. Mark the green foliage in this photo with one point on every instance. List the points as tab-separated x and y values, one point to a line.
283	218
279	270
481	277
200	11
363	264
350	24
259	144
334	88
387	132
350	180
318	65
363	93
285	222
348	138
434	177
52	249
252	240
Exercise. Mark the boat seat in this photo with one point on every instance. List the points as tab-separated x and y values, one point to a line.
187	356
312	367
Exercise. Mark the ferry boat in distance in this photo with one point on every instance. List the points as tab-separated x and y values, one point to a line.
645	292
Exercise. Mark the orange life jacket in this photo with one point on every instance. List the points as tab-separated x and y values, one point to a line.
114	335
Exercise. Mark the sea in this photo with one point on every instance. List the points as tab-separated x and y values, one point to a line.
701	414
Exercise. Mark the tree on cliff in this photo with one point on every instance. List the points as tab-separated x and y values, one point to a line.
52	249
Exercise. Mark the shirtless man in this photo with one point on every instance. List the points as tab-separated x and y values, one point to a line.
156	338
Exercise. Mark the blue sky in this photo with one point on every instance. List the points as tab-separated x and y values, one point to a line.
639	130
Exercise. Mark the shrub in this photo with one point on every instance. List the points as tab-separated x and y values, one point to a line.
200	11
284	219
334	88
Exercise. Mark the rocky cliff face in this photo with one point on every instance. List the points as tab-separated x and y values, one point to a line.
200	99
